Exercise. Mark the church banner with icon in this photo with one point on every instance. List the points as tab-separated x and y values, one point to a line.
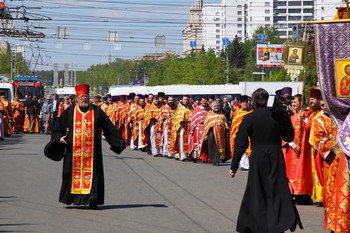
333	66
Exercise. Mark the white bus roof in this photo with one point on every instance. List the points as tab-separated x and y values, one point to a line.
183	89
125	90
249	87
243	88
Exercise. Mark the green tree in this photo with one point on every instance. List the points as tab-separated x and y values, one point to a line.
236	54
20	65
271	33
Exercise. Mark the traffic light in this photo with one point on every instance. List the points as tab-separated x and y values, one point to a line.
2	10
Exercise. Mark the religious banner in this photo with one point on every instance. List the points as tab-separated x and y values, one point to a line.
333	66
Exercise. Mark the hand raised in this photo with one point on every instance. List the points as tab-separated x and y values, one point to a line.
62	139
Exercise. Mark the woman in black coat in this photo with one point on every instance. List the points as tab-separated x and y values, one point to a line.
267	205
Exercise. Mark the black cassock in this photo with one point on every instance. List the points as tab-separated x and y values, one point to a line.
267	205
57	151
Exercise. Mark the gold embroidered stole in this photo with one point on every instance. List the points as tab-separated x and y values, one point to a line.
83	151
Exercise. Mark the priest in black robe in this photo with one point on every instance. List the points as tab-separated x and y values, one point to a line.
76	136
267	205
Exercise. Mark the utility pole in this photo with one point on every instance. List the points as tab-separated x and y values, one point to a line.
11	57
226	65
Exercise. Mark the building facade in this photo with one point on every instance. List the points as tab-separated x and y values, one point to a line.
223	21
211	23
194	29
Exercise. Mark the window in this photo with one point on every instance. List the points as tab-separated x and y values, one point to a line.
281	25
218	36
296	3
217	25
308	3
217	30
267	18
218	47
308	18
239	6
239	19
239	12
310	10
217	19
267	3
217	13
294	18
280	11
267	11
281	3
239	25
267	25
217	42
239	31
281	18
294	10
282	33
240	38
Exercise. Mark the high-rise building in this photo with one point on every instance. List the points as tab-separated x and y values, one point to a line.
194	29
213	27
241	18
223	21
288	15
259	14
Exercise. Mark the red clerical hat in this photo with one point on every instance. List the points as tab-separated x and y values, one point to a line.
315	93
82	89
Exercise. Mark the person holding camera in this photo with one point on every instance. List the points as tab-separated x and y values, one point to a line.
267	204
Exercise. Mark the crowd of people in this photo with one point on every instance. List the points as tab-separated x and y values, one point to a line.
33	115
207	131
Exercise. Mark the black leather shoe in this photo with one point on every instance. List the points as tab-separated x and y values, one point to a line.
93	205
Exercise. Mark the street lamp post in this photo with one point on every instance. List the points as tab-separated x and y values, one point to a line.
226	43
226	64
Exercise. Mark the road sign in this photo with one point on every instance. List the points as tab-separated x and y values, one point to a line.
193	44
225	41
259	73
262	37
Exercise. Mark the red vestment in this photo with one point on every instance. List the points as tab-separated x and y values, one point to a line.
298	166
218	122
195	131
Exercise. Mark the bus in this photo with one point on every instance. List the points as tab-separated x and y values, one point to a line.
25	84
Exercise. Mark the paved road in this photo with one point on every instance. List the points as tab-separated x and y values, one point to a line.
143	194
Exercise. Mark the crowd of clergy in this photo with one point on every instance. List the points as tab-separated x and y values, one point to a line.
205	130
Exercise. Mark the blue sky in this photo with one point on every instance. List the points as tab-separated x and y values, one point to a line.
137	23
